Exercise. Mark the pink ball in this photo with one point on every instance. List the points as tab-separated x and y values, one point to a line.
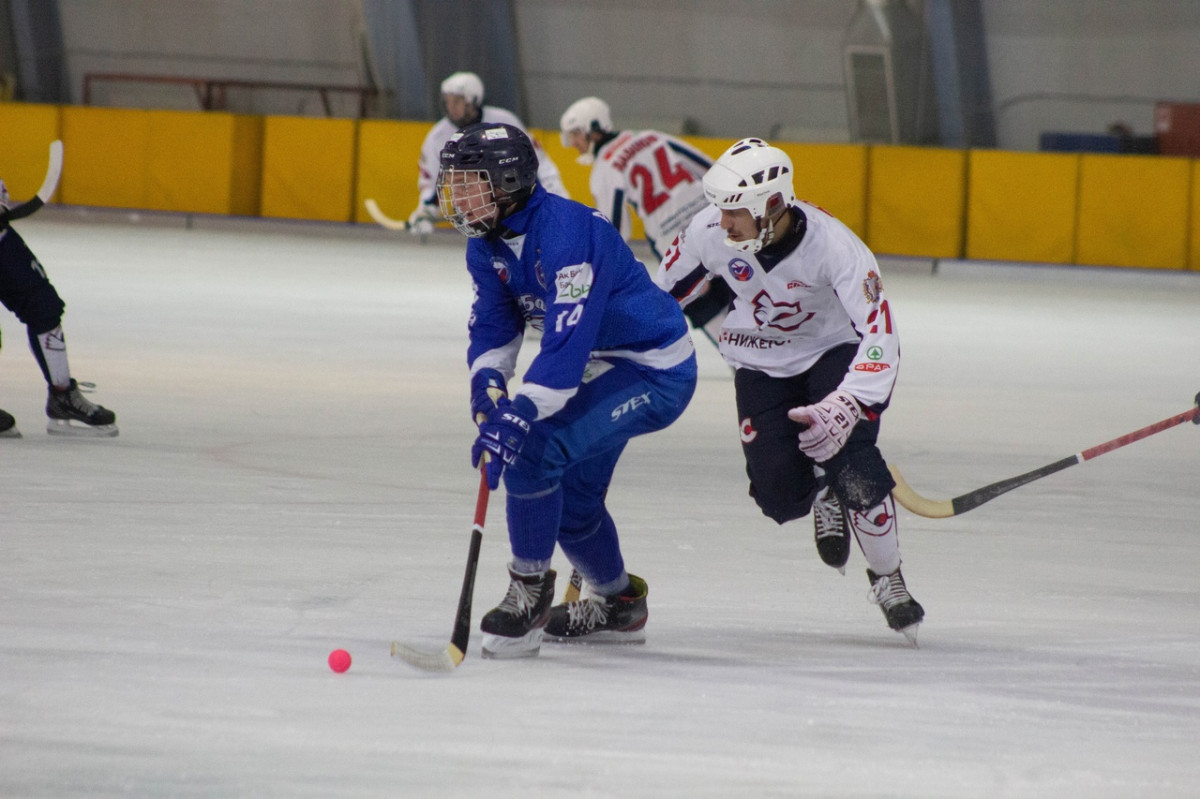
339	660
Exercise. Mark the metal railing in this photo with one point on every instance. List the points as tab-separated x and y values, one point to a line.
211	93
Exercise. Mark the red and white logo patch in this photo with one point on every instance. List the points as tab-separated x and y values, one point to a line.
747	432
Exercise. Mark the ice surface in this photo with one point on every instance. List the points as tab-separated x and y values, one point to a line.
292	476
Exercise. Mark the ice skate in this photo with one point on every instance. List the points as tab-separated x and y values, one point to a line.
903	613
513	629
71	414
830	530
619	619
8	426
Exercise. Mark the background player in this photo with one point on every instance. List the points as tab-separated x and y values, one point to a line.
814	345
463	100
614	361
27	292
655	174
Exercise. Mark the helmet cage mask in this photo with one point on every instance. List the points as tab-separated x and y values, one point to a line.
467	199
488	170
757	177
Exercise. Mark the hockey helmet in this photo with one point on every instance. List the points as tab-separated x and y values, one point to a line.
756	176
466	85
487	170
587	114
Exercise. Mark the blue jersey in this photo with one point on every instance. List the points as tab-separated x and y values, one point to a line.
563	269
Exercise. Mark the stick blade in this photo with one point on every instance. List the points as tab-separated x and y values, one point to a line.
444	660
383	219
912	501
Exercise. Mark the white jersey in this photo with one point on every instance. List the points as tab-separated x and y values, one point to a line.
435	140
789	311
658	175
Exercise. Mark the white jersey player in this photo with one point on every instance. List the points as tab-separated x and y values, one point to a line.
655	174
462	97
813	342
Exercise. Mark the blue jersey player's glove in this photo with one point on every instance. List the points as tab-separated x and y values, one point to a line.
502	436
487	386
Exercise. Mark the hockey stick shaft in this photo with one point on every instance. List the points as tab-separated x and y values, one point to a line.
941	509
462	620
49	185
448	659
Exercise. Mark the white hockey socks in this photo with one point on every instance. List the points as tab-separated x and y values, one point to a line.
51	354
875	530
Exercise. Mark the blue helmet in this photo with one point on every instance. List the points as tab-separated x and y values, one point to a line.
502	153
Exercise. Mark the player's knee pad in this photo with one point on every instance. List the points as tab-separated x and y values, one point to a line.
41	309
859	478
580	522
528	482
783	506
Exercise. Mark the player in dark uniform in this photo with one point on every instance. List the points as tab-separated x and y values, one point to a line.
26	291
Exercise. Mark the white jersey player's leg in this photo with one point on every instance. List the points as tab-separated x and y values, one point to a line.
875	530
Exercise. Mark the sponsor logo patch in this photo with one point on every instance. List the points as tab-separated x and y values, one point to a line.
747	432
573	283
872	367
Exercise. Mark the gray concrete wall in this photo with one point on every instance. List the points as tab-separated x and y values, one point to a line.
761	67
294	41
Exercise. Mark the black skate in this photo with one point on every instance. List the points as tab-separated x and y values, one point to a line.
903	613
619	619
831	530
71	414
8	426
513	629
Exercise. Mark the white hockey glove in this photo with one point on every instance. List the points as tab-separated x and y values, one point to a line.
420	221
829	424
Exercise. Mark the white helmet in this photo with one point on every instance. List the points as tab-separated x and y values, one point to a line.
465	84
586	114
756	176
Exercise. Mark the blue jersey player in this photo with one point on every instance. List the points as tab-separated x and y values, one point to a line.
614	361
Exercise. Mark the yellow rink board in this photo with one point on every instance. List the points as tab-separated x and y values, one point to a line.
1194	222
1021	206
308	168
203	162
106	155
916	201
834	177
1133	211
28	130
387	166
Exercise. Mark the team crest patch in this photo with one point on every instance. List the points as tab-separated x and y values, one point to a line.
741	270
872	287
573	283
501	269
746	431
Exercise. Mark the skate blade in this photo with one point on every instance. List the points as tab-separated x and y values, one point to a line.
608	637
910	633
11	432
498	647
69	427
